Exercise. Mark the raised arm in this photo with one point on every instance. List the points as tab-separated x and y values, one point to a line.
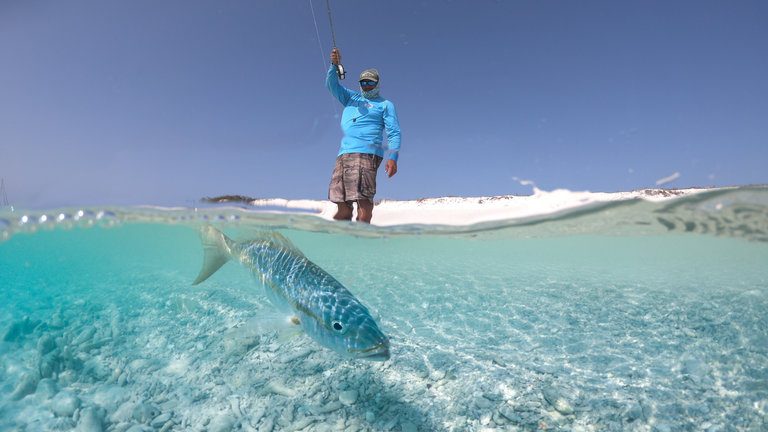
332	79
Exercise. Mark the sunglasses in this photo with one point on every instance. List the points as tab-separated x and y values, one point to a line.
367	83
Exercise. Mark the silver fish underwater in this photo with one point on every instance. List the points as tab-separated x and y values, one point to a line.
326	311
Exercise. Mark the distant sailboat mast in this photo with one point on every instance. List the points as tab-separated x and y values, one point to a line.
3	195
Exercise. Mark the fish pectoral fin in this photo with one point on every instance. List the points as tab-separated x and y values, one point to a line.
290	329
216	249
286	326
288	334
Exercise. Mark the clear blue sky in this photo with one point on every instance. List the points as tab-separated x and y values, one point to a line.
163	102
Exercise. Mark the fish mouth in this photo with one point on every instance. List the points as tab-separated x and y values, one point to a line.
378	352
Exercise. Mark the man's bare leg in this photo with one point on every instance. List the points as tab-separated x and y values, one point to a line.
344	211
364	211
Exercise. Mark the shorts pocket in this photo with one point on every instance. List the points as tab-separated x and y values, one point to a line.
367	183
336	175
336	187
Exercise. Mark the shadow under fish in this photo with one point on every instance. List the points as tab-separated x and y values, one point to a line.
318	303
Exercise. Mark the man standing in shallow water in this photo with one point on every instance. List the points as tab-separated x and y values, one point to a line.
366	114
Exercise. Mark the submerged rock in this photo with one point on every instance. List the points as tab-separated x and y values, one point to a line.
139	428
64	404
695	369
18	329
482	403
222	423
63	424
124	413
286	417
67	377
160	420
91	420
510	414
46	344
325	409
348	397
301	424
96	370
145	412
553	397
122	379
268	425
96	343
47	388
85	336
57	321
115	329
277	387
110	397
437	375
26	386
49	364
634	412
391	423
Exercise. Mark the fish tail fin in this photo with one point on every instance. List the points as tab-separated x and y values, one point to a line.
217	248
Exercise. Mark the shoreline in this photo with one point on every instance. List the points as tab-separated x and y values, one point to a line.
471	210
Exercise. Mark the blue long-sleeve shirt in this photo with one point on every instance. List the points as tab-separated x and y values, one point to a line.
364	120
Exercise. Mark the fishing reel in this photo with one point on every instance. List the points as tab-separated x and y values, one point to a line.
340	71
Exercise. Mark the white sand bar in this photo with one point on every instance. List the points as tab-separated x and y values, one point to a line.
470	210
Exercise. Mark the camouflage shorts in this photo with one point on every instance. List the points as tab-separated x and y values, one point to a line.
354	177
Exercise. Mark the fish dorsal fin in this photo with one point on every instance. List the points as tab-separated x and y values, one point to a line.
281	241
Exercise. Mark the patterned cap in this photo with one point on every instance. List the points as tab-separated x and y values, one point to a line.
369	74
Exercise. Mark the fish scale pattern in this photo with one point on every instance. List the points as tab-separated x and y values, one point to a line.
326	310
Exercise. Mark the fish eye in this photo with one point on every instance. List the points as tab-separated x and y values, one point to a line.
337	326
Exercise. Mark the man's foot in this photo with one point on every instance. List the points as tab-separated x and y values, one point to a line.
344	211
364	211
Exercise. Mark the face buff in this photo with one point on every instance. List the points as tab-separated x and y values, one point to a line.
372	75
371	94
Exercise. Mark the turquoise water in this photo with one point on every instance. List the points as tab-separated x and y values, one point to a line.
625	316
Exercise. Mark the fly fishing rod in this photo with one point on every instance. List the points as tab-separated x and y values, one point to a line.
339	68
